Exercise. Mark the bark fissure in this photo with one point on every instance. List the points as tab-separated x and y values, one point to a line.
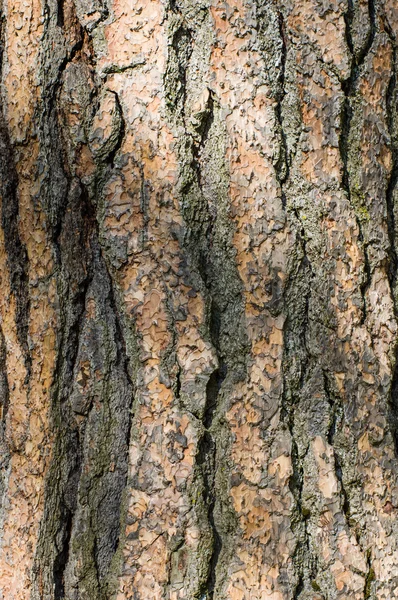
295	328
282	166
275	45
350	90
369	578
120	136
125	360
207	120
74	489
4	405
295	331
61	559
207	243
207	449
53	156
17	257
336	408
392	183
67	460
4	387
296	487
60	13
16	251
75	275
81	525
392	123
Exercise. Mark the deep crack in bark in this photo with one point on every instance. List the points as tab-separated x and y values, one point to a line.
200	240
17	257
282	166
80	267
391	222
349	87
295	328
208	447
369	578
336	411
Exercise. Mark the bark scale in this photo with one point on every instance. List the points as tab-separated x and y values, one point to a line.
198	264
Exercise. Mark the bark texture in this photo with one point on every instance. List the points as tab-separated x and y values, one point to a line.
198	265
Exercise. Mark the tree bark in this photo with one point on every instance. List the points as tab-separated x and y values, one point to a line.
198	264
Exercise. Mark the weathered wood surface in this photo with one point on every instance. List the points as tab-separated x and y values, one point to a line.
198	260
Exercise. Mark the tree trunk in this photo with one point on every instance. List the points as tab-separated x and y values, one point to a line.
198	264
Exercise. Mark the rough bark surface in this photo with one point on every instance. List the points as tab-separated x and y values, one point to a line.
198	265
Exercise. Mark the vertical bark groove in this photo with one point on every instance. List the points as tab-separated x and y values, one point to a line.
80	530
296	364
15	249
391	219
208	245
349	87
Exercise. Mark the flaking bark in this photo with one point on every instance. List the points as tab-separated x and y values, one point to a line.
198	321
